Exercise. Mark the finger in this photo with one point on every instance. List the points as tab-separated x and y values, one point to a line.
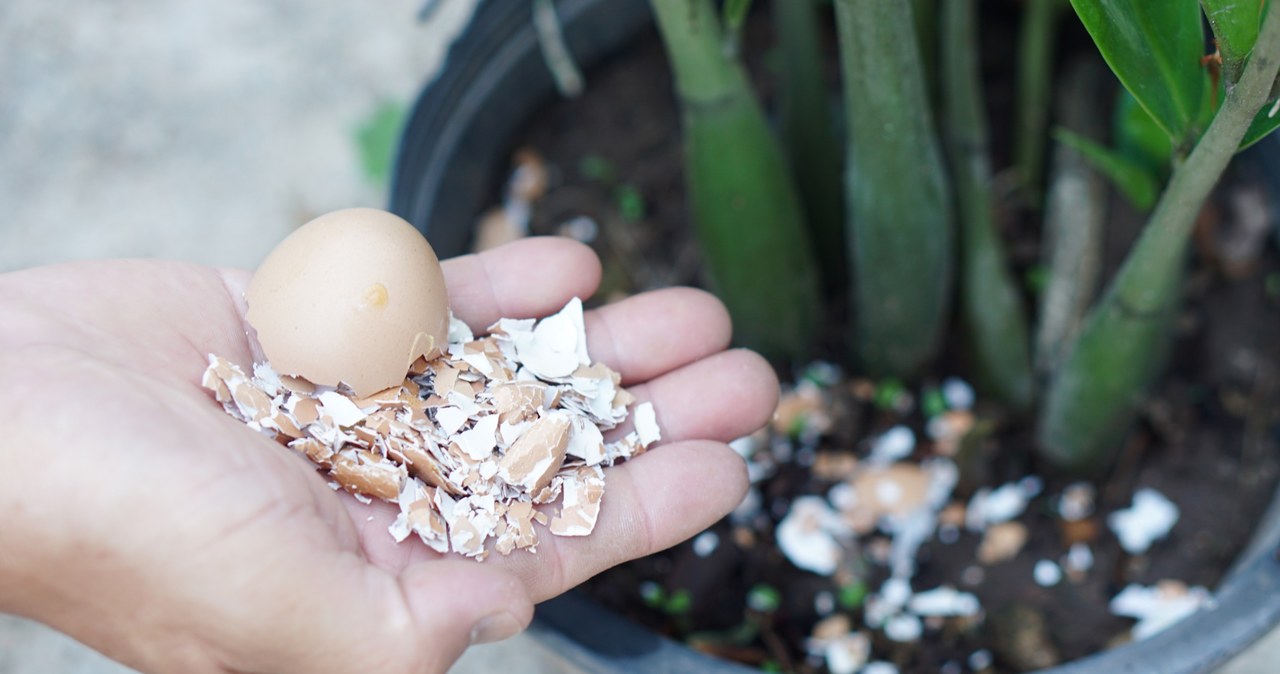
721	397
456	603
651	503
651	333
373	522
525	279
335	614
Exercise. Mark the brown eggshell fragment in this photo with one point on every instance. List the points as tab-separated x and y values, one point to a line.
896	489
535	458
354	296
1002	542
366	473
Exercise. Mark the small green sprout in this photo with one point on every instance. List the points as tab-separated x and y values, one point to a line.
852	595
932	402
764	598
595	167
679	603
630	202
888	393
652	594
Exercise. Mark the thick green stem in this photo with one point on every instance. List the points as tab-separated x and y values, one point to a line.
749	220
897	194
809	133
990	307
1092	401
1035	74
1075	211
925	15
1235	28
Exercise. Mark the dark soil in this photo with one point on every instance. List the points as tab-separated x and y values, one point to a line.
1208	438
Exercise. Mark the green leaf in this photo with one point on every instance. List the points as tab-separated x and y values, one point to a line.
1154	48
1235	25
1139	138
376	139
1135	181
1262	125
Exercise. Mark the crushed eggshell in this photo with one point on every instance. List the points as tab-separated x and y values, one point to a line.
809	534
802	411
958	393
1078	561
945	602
879	491
1002	542
844	650
1160	606
904	628
706	543
1076	501
1150	518
948	430
992	506
1047	573
895	444
471	442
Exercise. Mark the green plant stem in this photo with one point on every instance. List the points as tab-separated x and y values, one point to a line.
735	17
1235	27
925	15
1092	401
1035	71
809	133
749	221
990	307
1075	210
897	195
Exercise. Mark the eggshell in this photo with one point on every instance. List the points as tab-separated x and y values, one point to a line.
354	296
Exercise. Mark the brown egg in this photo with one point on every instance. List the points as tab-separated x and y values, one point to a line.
354	296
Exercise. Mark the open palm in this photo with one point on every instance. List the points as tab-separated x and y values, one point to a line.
142	520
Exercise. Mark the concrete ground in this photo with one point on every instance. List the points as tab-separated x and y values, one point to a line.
201	131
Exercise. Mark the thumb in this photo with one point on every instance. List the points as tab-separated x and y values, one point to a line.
456	603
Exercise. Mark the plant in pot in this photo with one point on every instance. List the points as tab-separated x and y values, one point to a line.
904	240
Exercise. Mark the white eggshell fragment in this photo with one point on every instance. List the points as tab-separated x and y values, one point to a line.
354	296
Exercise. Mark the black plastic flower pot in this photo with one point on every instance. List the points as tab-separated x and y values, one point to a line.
455	148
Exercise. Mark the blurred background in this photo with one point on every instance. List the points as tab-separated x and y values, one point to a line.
196	130
201	131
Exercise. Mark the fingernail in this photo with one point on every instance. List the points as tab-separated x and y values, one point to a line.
496	627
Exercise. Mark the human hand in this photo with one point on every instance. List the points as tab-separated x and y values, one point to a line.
145	522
